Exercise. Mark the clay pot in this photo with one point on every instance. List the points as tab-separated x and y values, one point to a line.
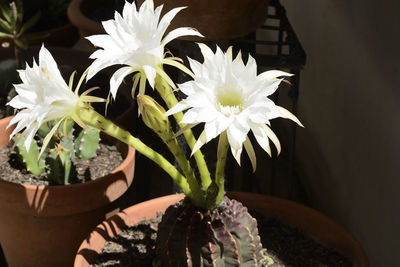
313	223
77	11
44	225
216	20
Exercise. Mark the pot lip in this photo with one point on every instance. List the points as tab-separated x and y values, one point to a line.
127	160
80	20
112	226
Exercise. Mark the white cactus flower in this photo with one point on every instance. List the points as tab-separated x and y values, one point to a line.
136	39
228	95
43	96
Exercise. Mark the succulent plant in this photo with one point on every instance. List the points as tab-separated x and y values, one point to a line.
56	160
224	236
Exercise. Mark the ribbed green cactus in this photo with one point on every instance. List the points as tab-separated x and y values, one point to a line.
29	159
224	236
60	167
56	161
87	143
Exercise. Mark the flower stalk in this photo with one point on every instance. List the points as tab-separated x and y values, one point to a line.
167	94
153	116
90	117
222	152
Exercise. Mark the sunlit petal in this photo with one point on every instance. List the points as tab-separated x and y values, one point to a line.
117	79
135	39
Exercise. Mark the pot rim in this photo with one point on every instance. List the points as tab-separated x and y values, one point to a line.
37	200
346	244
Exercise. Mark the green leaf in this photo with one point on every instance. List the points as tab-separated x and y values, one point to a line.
30	23
5	35
5	12
13	15
5	25
21	43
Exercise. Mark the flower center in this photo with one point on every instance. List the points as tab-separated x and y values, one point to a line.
230	102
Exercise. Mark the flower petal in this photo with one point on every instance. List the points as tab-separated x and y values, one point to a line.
181	106
184	31
273	74
117	79
271	135
236	137
287	114
167	18
150	74
252	155
261	137
200	142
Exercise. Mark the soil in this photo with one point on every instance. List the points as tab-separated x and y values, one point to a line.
286	245
108	158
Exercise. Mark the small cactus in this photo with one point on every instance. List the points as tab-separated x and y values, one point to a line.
29	158
56	161
87	143
224	236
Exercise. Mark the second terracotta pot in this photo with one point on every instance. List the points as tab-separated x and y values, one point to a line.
313	223
216	20
44	225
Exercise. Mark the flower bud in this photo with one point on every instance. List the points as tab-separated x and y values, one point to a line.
153	116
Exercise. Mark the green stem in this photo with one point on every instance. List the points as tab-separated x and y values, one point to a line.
92	118
166	93
17	55
197	195
223	147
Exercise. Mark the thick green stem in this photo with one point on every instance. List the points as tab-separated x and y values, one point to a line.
223	147
153	115
166	92
197	195
92	118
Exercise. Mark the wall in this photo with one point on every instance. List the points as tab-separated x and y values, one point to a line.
350	103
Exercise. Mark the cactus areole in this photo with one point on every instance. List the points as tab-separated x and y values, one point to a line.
224	236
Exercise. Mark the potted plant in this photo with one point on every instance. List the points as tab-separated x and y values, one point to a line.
23	25
312	223
226	94
35	22
43	225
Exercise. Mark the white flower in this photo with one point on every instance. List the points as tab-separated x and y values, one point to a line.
43	96
135	39
228	95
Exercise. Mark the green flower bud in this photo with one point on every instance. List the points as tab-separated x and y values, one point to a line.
153	116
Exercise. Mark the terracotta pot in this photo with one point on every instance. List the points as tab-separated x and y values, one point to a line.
216	20
44	225
77	11
313	223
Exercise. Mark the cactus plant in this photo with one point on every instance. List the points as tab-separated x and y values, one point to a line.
227	95
56	163
224	236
